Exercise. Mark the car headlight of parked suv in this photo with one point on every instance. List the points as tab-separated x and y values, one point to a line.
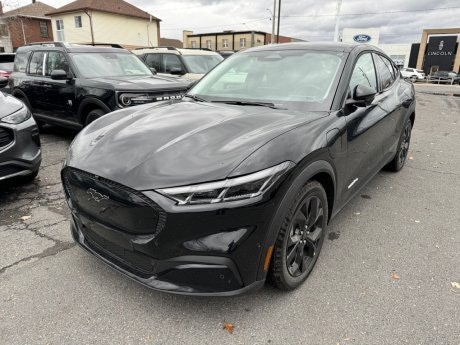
20	116
232	189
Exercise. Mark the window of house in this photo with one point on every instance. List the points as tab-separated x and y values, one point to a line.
78	23
60	30
193	43
36	63
225	43
242	42
208	44
43	29
3	30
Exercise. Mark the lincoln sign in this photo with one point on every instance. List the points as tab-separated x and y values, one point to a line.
440	52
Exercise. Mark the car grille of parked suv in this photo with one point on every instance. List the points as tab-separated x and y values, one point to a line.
6	137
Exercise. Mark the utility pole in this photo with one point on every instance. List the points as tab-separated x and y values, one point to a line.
337	21
278	30
273	22
90	24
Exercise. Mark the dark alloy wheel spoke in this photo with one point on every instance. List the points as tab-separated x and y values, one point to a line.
304	236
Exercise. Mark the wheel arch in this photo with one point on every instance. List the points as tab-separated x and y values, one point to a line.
320	171
89	104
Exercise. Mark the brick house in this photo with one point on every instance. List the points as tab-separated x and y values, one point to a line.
24	25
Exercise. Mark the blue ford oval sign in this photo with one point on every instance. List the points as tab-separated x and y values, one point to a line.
361	38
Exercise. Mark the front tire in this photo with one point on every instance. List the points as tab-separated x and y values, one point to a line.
300	237
93	115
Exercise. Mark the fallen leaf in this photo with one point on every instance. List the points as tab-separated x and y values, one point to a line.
395	276
228	327
25	217
357	213
455	285
411	158
47	187
417	221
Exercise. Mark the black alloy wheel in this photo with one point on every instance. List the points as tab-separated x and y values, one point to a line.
403	149
93	115
300	238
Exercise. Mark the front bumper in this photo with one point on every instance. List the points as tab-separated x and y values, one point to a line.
22	156
204	250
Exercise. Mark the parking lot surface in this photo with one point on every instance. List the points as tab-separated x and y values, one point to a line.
385	276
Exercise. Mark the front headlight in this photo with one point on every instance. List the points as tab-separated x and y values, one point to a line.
237	188
20	116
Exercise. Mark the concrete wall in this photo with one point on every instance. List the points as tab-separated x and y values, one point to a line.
393	50
109	28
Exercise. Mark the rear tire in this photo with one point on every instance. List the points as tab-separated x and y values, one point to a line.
300	237
397	163
93	115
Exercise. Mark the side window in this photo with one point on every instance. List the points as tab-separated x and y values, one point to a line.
386	72
55	60
171	61
20	61
153	61
364	73
36	63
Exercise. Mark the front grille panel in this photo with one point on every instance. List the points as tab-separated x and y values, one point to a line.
6	136
112	204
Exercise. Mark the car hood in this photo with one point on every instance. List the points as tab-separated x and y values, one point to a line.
177	143
9	105
132	83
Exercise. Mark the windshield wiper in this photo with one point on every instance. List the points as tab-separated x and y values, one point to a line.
257	104
195	98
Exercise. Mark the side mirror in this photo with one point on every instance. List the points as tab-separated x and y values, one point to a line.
59	74
176	71
362	95
3	82
153	70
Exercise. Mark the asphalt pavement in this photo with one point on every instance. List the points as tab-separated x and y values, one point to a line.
386	274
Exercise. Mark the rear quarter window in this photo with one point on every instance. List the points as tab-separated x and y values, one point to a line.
20	61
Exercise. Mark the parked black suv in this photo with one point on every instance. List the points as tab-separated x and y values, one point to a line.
72	85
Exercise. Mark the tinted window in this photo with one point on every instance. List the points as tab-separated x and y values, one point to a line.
171	61
386	72
56	60
154	61
36	63
364	73
20	61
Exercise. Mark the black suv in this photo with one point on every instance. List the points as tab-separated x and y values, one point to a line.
72	85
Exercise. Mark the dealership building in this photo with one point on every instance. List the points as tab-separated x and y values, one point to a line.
438	50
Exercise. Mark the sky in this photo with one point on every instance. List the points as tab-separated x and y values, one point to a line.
400	21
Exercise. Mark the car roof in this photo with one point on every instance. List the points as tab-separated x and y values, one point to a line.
70	48
173	50
323	46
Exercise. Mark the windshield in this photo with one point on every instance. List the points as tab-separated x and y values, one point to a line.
201	64
92	65
296	79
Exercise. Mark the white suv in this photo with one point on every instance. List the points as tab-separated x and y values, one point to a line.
189	63
412	74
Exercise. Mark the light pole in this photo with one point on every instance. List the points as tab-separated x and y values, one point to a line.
273	22
337	21
278	30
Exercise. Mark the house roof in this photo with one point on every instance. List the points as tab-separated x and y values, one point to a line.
37	9
170	42
111	6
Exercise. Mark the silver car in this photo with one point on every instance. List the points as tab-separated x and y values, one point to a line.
20	153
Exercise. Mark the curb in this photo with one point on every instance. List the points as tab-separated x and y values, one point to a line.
454	94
